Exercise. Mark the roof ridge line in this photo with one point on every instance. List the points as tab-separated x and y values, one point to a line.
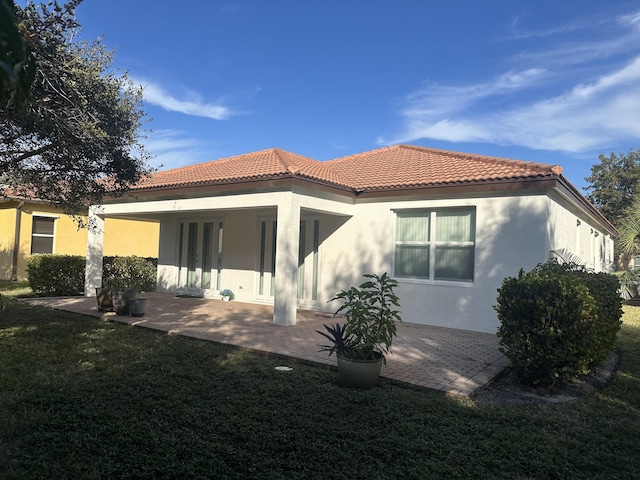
557	169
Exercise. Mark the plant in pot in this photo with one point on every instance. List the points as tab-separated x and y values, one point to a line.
227	294
126	277
104	299
364	339
120	298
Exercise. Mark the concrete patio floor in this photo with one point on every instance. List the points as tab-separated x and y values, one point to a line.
457	362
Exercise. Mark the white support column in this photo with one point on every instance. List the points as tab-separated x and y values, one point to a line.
95	244
288	237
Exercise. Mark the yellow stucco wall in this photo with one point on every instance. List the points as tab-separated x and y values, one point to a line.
7	235
122	237
129	237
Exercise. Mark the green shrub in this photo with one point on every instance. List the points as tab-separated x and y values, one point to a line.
557	321
56	275
604	288
130	272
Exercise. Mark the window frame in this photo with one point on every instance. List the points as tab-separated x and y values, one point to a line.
52	235
432	244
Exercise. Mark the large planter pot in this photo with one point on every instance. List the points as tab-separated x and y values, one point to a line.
359	373
137	306
103	297
120	299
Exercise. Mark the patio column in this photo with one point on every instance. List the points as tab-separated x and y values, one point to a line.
288	236
95	245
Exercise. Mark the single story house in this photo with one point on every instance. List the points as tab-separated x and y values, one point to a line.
31	227
283	229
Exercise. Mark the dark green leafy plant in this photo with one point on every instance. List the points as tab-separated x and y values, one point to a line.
370	319
56	275
557	321
17	63
131	272
340	342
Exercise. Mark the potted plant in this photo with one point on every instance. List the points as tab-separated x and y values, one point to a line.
227	295
126	277
364	339
121	298
103	297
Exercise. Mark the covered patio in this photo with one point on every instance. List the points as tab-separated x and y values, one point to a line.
456	362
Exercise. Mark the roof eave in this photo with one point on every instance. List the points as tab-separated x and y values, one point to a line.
484	186
573	193
231	186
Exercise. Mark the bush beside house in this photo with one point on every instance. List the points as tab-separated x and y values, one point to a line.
132	272
61	275
557	321
56	275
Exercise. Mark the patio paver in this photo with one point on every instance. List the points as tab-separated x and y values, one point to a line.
457	362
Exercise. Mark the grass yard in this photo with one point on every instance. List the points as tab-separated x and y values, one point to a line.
82	398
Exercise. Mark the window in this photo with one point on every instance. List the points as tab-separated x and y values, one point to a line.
42	234
435	244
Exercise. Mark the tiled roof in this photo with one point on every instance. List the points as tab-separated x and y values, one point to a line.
265	164
410	166
395	167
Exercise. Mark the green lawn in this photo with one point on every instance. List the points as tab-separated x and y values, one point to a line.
15	288
82	398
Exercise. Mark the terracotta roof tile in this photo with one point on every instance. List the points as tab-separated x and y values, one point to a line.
399	166
251	166
409	166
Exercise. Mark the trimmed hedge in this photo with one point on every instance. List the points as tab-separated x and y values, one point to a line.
56	275
557	321
133	272
62	275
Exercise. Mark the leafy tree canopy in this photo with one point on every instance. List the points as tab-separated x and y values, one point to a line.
17	64
614	184
76	137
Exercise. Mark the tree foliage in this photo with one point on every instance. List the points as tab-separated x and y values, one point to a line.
628	244
76	139
629	228
614	184
17	63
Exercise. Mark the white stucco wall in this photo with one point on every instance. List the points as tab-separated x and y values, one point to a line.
572	230
511	233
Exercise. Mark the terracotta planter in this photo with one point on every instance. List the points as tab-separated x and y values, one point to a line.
137	306
120	299
103	297
359	373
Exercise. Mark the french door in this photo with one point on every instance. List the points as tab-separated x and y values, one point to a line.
200	255
308	259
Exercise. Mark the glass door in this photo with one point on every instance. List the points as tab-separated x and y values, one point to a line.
307	274
267	229
200	255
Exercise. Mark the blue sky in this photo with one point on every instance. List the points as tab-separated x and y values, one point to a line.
548	81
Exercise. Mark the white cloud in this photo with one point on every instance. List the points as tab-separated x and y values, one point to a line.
434	100
174	148
157	95
631	19
546	105
588	117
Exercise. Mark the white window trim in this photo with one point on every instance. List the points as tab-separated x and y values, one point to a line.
432	247
42	235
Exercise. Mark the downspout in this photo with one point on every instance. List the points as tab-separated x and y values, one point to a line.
16	243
